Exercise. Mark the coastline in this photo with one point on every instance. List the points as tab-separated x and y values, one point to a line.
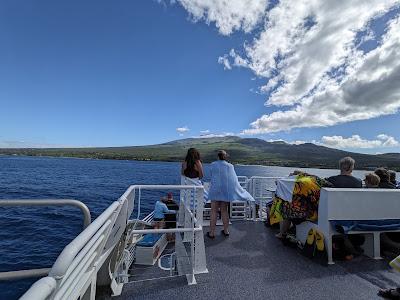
248	151
241	164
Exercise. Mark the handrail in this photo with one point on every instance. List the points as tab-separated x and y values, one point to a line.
41	289
83	251
22	274
50	202
162	187
66	257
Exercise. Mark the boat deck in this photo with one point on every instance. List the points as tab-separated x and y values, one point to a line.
253	264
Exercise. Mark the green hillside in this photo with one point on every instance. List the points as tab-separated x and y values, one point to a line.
241	150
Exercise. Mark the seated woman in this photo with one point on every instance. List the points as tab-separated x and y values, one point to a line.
224	188
192	167
160	210
392	175
170	219
384	179
371	180
296	200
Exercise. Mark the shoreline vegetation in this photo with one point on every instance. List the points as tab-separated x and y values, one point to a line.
247	151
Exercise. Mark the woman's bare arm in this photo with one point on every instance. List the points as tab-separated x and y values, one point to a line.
183	168
199	168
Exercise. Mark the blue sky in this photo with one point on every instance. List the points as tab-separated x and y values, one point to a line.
102	73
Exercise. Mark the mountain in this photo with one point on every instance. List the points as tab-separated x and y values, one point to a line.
241	150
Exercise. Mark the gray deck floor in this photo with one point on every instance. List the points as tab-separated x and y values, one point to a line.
253	264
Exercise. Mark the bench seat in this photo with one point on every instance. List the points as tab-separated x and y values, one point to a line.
353	204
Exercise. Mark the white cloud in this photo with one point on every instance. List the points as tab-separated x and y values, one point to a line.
208	134
355	141
388	141
309	53
182	130
352	142
297	142
367	84
223	60
228	15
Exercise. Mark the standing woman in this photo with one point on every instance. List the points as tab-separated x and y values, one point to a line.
192	167
224	188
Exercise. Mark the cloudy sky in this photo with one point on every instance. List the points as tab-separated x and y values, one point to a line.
101	73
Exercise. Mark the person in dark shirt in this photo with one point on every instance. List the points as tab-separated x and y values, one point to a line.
170	219
385	179
351	243
345	179
393	180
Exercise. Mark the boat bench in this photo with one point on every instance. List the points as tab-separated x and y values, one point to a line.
353	205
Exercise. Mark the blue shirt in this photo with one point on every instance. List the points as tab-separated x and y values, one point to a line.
160	209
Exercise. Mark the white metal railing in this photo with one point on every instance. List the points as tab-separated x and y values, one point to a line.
191	210
74	267
21	274
262	188
76	270
49	202
243	181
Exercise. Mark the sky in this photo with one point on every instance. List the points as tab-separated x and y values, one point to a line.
117	73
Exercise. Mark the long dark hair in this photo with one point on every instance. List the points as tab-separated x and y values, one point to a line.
192	156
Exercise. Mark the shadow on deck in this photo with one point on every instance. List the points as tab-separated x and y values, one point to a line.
253	264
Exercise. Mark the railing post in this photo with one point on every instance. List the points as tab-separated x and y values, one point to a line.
200	264
187	236
182	195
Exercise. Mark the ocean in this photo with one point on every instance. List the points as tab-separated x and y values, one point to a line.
33	237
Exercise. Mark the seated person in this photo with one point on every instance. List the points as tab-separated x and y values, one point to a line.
296	200
160	210
371	180
351	243
384	179
389	239
170	219
345	179
392	175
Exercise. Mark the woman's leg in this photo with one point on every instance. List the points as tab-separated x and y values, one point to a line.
225	216
213	218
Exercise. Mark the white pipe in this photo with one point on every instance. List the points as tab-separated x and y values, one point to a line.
51	202
69	253
41	289
88	248
22	274
172	230
165	187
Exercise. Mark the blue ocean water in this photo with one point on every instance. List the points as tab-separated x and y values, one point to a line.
33	237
